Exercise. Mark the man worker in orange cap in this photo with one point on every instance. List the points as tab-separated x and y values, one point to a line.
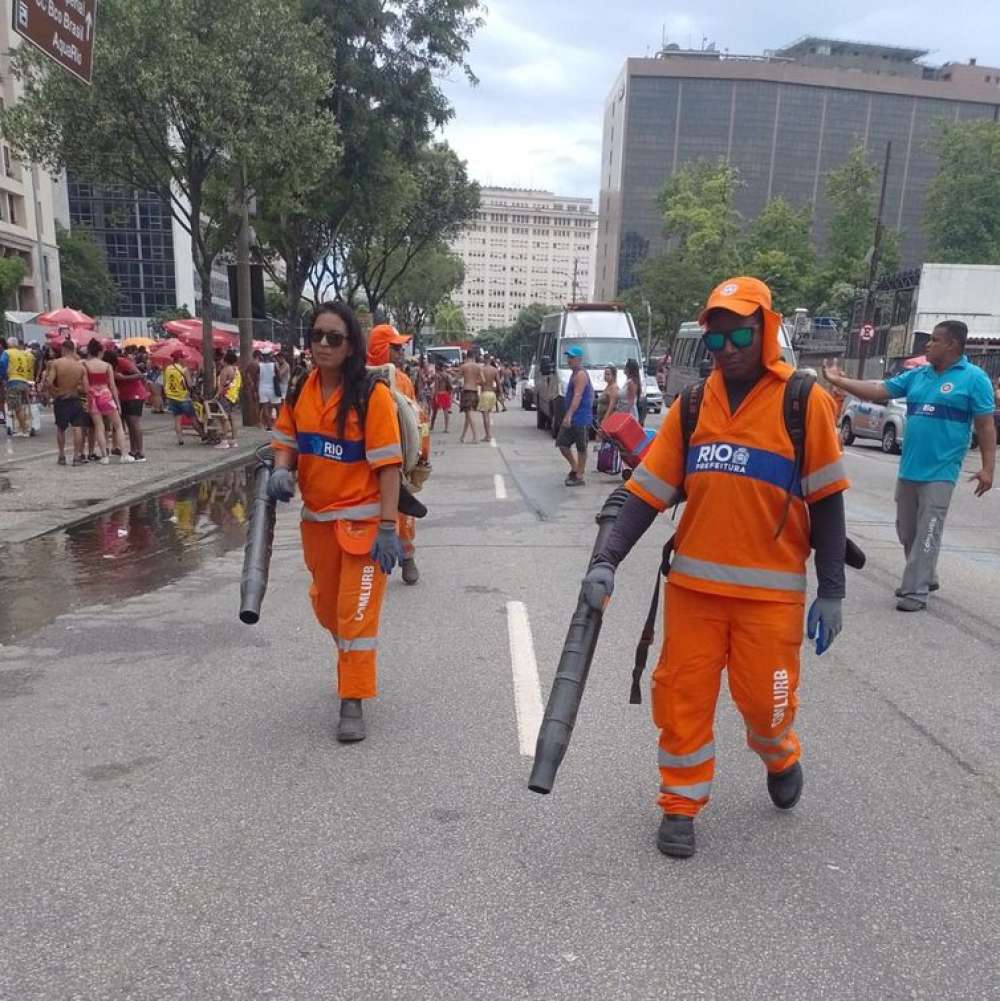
385	346
736	592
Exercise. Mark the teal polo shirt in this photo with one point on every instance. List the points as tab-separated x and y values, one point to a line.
940	407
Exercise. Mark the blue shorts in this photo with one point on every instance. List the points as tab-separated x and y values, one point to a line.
181	408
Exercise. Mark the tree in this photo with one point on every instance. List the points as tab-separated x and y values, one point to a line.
12	272
520	340
188	103
777	247
86	282
963	202
430	278
449	323
416	204
385	59
852	192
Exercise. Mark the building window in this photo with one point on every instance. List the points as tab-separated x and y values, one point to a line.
12	210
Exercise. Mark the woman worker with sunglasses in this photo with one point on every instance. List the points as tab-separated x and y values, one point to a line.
347	453
737	585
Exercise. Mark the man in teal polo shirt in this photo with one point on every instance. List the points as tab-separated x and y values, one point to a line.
943	399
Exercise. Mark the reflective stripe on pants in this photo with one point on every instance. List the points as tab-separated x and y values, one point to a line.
407	529
346	593
759	641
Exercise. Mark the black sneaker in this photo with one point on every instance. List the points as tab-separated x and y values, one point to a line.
570	480
911	605
138	456
676	835
411	575
785	787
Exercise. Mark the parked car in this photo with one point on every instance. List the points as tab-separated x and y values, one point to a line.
884	422
654	398
528	390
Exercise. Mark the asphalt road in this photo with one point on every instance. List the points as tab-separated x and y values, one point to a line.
177	821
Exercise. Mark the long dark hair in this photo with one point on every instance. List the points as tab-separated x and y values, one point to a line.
353	372
632	371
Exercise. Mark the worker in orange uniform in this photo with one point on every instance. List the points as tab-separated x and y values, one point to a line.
347	453
736	590
385	346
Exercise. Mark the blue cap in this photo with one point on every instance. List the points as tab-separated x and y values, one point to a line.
573	352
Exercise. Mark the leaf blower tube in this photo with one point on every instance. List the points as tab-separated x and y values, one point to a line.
574	667
260	542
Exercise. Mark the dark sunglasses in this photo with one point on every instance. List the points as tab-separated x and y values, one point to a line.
332	338
741	337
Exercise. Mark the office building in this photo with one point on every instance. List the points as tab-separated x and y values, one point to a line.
27	219
524	247
785	119
147	251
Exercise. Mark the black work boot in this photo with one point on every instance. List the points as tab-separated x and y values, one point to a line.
676	835
410	572
351	727
785	787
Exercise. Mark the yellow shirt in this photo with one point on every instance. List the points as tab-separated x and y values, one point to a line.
20	365
174	386
233	389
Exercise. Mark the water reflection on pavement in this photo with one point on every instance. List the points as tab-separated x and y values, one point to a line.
121	554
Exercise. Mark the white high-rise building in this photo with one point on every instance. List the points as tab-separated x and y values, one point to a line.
27	217
524	247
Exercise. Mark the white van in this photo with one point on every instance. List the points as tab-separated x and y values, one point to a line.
691	360
606	335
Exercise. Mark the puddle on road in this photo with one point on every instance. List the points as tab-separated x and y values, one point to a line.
121	554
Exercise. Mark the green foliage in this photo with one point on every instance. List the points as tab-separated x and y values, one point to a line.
963	202
157	320
86	282
429	279
777	248
518	341
449	323
12	272
384	59
185	97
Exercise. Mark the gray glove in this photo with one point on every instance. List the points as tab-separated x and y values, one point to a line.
387	550
281	485
825	622
599	585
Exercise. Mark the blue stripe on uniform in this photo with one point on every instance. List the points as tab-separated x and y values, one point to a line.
738	460
335	449
940	411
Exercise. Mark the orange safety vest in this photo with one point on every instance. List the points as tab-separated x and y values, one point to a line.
739	473
337	475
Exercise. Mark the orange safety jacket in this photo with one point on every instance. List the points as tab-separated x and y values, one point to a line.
337	475
739	473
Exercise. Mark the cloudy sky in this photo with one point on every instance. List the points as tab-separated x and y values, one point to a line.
546	66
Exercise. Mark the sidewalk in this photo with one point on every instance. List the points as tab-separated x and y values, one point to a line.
38	496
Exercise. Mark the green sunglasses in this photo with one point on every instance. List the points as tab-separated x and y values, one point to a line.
741	337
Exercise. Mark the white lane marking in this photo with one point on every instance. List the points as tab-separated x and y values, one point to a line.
500	487
493	443
527	690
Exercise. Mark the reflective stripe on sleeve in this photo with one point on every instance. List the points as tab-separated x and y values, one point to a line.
823	477
653	485
699	790
360	513
771	757
725	573
388	452
284	439
698	757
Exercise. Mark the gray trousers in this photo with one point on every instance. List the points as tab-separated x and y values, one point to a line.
921	509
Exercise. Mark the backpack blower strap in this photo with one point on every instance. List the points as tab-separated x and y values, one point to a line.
649	629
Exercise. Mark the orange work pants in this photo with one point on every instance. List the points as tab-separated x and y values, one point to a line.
760	642
346	593
407	529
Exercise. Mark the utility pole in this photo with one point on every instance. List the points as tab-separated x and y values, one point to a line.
868	312
245	305
576	273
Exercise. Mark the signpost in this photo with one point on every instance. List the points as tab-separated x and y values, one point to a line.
62	29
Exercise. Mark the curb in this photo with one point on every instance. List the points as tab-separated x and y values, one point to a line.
148	489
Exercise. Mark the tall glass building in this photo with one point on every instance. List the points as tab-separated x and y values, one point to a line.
785	120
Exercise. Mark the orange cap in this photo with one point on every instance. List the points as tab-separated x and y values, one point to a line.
379	340
744	296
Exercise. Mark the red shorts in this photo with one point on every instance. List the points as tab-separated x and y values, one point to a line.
442	401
